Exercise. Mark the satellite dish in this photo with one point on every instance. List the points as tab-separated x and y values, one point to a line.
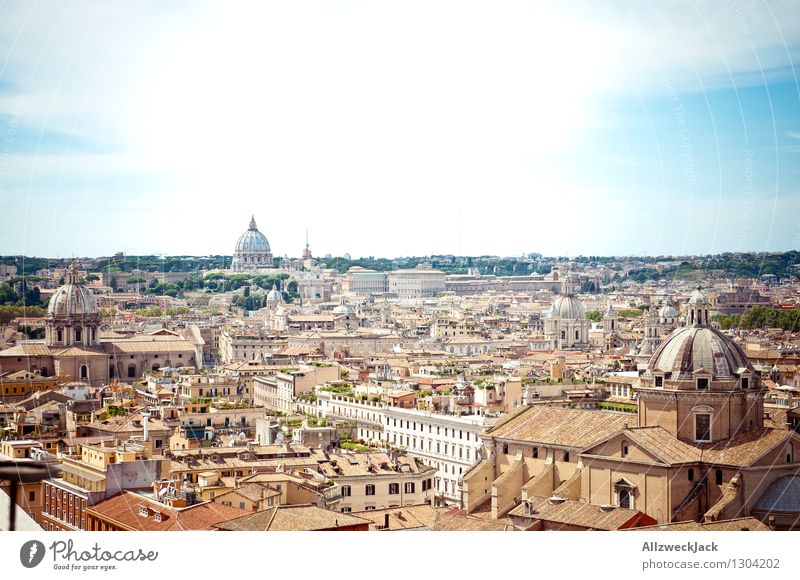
279	438
242	435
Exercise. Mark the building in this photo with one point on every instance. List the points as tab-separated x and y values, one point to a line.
414	283
279	391
252	252
364	282
95	473
136	511
566	325
698	448
369	481
449	443
72	348
291	518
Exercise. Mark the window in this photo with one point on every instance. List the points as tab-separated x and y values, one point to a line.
60	335
369	507
505	448
690	474
702	383
624	449
702	427
241	505
77	335
32	495
566	456
346	510
394	488
745	383
624	496
535	453
718	477
659	381
370	490
346	491
409	487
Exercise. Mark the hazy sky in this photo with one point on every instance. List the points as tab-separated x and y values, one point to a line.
402	128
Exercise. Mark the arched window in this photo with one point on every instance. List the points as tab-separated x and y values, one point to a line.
84	372
625	498
566	456
624	493
77	335
60	336
505	448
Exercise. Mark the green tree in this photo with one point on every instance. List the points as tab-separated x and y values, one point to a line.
594	315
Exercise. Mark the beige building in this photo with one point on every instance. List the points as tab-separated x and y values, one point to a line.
369	481
416	283
73	348
279	391
698	448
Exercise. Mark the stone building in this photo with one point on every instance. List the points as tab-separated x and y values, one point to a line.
566	325
698	448
72	347
252	252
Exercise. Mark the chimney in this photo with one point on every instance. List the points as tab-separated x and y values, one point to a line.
145	419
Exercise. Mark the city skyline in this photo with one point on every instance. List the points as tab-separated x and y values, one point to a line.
564	131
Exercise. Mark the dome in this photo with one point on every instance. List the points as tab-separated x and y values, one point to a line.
691	348
342	308
72	299
252	240
698	297
783	495
567	307
274	295
667	311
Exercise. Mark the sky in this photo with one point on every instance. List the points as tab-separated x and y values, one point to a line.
399	128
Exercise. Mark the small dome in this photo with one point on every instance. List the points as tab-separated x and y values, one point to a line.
698	297
252	240
72	299
567	308
691	348
342	308
274	295
783	495
667	311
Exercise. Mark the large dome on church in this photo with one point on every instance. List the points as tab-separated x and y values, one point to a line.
691	348
72	299
252	240
567	308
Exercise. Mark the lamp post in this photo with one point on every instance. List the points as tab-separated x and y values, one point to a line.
17	473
